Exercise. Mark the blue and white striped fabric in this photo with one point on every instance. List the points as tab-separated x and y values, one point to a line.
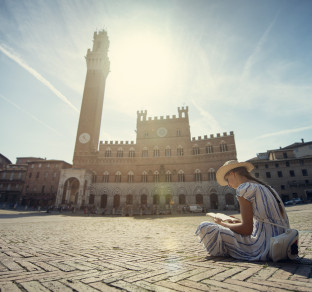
221	241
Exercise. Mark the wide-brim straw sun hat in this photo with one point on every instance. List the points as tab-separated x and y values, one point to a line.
228	166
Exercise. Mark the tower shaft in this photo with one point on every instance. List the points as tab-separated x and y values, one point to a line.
88	132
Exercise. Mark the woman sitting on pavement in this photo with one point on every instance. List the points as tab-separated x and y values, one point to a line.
248	238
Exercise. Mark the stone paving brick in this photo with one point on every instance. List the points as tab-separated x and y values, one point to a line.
255	287
186	275
226	274
103	287
223	285
66	253
283	284
45	266
246	273
286	272
198	286
131	287
34	286
78	286
56	286
206	274
8	287
11	265
145	275
176	286
266	272
27	265
152	286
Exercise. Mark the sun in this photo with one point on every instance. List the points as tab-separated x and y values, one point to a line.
143	63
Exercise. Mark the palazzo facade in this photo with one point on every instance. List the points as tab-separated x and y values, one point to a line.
164	170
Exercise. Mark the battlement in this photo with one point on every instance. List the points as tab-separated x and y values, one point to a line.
117	143
218	135
142	115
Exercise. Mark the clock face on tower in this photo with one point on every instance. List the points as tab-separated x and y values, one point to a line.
84	138
162	132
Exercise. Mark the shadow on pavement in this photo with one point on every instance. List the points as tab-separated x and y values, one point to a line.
283	265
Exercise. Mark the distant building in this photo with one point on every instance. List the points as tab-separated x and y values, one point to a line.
12	179
4	161
288	170
164	170
41	182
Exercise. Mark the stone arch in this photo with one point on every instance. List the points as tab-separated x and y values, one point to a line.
182	199
104	199
143	199
199	199
71	191
129	199
214	202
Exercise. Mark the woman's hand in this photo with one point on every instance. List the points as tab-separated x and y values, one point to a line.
234	220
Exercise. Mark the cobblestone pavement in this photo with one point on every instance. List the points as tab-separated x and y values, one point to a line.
44	252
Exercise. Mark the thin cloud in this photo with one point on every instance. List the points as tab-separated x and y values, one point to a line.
210	120
252	59
284	132
38	76
30	115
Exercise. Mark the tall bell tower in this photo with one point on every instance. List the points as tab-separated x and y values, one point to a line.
88	132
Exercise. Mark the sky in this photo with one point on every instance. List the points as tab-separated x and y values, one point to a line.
241	66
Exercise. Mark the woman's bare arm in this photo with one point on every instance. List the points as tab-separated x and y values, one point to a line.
246	225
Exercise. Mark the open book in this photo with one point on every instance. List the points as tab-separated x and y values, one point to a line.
221	216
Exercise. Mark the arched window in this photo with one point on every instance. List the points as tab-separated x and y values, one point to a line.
180	151
223	146
168	176
118	177
144	176
156	176
168	151
120	152
181	177
129	200
209	148
182	200
145	152
108	152
195	149
197	175
116	202
91	199
103	201
214	201
130	176
211	175
199	199
156	151
131	152
156	199
168	199
106	176
143	199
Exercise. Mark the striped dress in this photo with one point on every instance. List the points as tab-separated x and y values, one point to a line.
221	241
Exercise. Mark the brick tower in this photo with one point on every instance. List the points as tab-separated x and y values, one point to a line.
88	132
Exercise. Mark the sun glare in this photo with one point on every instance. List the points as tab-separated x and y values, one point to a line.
142	64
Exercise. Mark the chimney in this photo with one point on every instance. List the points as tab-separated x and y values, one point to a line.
302	140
